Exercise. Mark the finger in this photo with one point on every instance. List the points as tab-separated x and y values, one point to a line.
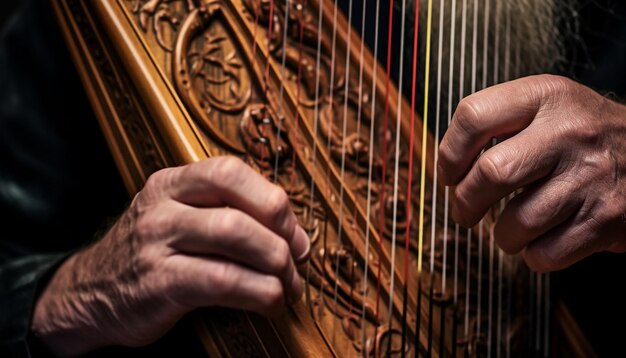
504	168
535	212
228	181
232	234
564	245
210	281
498	111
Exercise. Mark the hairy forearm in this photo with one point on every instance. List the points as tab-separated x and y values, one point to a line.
65	315
174	250
61	319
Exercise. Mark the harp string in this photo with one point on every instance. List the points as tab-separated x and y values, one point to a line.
310	213
298	87
357	161
343	151
370	169
316	113
447	193
461	95
355	172
501	258
420	244
433	223
516	59
331	93
270	34
485	57
468	278
469	232
447	189
490	309
531	310
424	138
358	132
383	186
538	297
409	192
436	138
396	171
281	114
546	341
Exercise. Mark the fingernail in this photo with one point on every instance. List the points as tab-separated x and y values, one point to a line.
301	244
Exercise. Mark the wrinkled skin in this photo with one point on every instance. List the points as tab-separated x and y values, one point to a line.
210	233
565	145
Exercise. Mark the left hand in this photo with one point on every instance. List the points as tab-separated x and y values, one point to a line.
565	145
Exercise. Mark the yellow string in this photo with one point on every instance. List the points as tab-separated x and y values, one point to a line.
424	138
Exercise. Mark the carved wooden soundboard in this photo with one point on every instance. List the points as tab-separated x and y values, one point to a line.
177	81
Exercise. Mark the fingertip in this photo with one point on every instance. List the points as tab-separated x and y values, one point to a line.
444	178
443	170
301	245
503	238
459	215
533	262
448	164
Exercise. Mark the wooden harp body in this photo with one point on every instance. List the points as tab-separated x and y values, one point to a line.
174	82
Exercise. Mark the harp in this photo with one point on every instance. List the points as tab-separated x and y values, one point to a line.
291	88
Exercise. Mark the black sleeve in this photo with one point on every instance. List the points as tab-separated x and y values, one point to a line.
20	282
58	182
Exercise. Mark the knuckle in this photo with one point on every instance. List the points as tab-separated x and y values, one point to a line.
281	257
158	180
144	229
230	222
273	296
226	169
224	281
154	224
556	86
494	168
277	204
578	130
154	188
466	115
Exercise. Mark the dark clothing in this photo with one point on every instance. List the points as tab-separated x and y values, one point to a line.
59	185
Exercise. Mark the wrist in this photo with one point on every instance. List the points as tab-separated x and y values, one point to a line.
61	321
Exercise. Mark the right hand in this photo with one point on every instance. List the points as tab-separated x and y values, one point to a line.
210	233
